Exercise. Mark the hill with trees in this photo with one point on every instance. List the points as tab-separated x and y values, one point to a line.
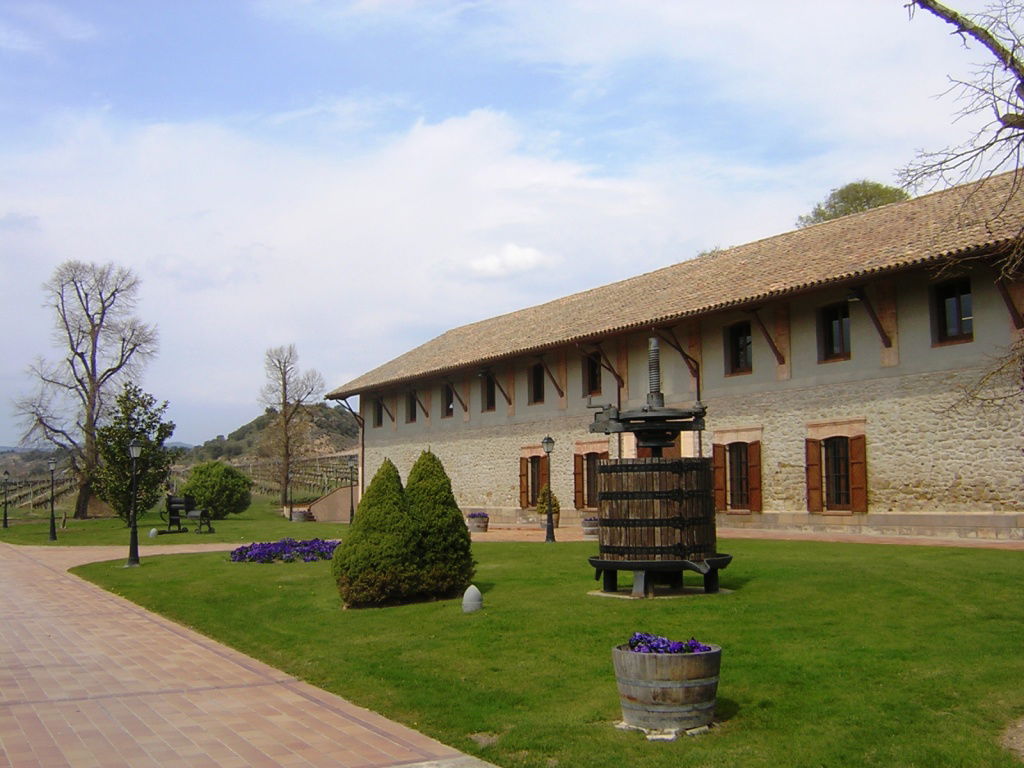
325	429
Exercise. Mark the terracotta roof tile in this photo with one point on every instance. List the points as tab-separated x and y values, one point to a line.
925	229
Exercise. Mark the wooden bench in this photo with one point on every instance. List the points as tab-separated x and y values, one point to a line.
183	508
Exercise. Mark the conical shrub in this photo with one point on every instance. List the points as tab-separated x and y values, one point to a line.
376	563
443	541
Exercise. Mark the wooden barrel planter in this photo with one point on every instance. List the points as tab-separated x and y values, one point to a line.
667	691
656	509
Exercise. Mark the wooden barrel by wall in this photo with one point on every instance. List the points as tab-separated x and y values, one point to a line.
656	509
667	691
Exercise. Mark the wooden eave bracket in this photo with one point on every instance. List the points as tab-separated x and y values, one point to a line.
605	362
862	295
669	337
779	357
1011	307
455	391
356	416
497	383
551	376
419	402
384	405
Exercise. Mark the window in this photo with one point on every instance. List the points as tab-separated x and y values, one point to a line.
592	374
378	412
410	407
738	349
836	456
536	383
837	474
585	478
737	476
448	402
952	311
487	393
533	474
834	332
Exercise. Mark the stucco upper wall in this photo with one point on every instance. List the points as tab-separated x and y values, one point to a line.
905	301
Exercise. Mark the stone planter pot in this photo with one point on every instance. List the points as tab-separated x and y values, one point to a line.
477	524
590	530
667	691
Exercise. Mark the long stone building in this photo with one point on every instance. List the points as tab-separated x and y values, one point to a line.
832	360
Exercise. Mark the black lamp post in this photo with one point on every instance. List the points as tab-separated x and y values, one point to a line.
52	464
7	482
548	444
135	450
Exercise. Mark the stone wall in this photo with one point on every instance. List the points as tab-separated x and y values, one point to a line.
925	454
926	451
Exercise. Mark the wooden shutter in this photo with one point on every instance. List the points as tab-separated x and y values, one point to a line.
718	471
813	453
858	474
524	482
754	476
545	472
577	480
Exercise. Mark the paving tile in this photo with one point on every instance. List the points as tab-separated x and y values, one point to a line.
89	679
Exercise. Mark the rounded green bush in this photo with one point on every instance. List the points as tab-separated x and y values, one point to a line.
376	563
218	488
443	542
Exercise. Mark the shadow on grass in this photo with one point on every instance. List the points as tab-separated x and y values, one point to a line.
725	709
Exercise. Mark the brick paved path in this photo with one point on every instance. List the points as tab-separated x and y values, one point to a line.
88	679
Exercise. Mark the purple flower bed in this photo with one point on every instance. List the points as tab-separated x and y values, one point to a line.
286	550
641	642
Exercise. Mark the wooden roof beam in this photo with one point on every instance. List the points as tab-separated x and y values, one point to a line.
1011	306
779	357
861	295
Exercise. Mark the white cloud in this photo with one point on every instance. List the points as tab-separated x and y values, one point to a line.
510	259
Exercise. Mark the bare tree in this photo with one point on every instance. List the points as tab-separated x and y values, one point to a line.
994	92
287	391
103	344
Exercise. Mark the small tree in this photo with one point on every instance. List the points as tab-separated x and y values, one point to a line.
376	563
443	541
219	488
136	417
855	197
288	391
542	502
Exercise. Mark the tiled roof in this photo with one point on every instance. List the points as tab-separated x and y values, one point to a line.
933	227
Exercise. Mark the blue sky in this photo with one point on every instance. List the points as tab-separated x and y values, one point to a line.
357	177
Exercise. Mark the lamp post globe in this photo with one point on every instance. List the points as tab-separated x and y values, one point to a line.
548	444
135	451
51	463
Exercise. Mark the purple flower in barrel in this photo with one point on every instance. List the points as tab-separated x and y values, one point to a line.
666	685
642	642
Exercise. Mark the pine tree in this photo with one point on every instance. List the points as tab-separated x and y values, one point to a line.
442	539
375	564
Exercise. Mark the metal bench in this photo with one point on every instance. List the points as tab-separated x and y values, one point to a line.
183	508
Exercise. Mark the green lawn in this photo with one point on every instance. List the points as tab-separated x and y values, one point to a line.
262	521
834	654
